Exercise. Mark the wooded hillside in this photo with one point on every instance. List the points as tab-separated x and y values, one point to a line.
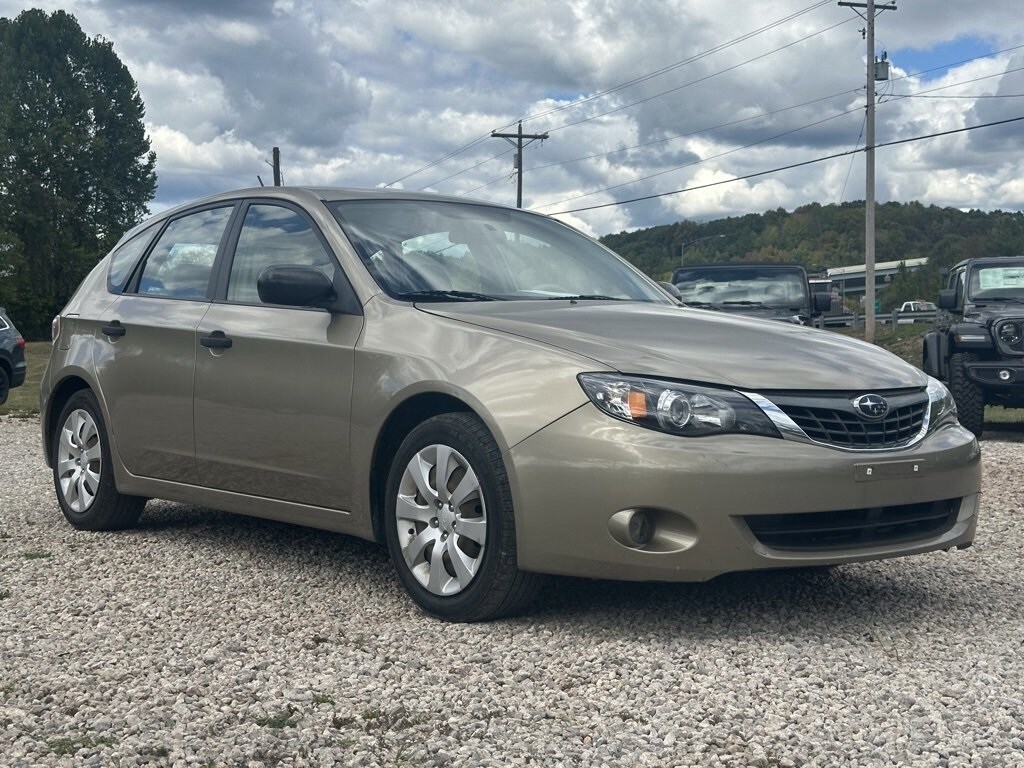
823	236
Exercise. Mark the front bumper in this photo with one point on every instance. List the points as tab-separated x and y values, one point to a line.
1001	374
576	482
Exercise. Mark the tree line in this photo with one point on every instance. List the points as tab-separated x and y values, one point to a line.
823	236
76	169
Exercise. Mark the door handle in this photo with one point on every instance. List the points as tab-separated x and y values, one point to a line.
216	340
114	328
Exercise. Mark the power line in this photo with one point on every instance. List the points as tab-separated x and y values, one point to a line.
788	167
705	159
673	90
712	157
621	86
678	64
701	79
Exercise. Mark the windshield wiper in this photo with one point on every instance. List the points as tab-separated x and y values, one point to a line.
585	297
746	303
446	295
706	304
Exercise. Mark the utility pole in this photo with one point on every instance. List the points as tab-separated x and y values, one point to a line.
518	163
277	167
871	10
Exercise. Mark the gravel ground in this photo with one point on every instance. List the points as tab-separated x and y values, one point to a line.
202	638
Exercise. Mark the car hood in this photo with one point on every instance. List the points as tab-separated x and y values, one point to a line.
694	344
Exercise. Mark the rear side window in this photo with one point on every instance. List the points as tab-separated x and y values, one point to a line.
124	259
180	263
271	235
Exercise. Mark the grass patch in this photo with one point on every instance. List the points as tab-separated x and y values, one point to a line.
322	698
4	594
69	746
33	555
24	400
280	719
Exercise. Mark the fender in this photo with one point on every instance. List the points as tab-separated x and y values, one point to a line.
935	355
970	336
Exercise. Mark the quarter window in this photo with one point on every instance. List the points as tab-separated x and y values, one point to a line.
182	259
124	259
273	235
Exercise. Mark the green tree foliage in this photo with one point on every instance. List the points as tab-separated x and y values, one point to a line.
76	170
824	236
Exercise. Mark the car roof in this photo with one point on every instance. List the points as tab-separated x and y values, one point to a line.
301	194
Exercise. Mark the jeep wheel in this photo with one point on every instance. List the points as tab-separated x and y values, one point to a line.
970	403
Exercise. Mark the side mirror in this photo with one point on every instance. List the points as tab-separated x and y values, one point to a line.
671	290
294	285
947	298
820	302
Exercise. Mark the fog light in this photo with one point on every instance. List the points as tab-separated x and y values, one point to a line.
641	528
1005	375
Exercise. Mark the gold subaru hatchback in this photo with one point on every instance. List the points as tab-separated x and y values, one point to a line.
489	393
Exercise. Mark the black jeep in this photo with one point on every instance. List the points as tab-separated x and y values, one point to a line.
977	346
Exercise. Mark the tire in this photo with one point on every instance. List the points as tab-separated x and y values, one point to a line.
5	385
970	401
83	474
468	519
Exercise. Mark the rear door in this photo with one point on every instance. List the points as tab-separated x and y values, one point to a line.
273	388
147	363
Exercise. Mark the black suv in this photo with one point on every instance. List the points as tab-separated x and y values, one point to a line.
12	356
977	347
769	291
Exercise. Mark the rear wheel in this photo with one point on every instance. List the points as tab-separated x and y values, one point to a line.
450	525
82	472
970	401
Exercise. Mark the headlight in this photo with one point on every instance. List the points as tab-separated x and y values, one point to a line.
941	406
679	409
1010	334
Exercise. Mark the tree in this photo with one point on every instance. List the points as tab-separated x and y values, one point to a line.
76	170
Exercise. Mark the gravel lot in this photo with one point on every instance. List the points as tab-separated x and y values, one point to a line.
209	639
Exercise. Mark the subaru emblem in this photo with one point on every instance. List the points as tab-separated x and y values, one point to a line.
871	406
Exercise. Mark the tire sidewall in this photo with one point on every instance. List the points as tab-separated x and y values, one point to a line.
94	518
497	500
970	400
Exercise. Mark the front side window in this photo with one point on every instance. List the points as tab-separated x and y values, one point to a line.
450	251
180	263
273	235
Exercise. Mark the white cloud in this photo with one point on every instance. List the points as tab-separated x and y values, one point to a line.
368	91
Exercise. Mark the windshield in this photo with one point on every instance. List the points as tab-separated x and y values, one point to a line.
997	282
445	251
723	286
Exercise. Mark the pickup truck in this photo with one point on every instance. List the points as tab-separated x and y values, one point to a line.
771	291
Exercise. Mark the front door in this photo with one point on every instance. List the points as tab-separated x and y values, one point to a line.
274	385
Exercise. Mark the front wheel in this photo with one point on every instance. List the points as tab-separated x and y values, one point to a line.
970	401
82	472
450	525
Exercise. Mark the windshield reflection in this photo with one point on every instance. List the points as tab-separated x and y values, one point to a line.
447	251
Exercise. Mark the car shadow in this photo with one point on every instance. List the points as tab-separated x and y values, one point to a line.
845	601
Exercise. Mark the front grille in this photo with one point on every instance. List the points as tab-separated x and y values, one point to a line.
834	421
853	528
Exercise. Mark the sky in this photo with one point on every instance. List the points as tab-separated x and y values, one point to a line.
639	98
